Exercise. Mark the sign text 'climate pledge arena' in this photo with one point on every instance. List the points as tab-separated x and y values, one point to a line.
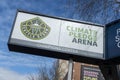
83	35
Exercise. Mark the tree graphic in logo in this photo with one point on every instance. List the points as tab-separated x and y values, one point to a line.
35	28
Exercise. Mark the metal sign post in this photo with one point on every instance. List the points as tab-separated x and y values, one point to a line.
70	69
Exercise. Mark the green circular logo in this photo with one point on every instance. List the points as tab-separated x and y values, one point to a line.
35	28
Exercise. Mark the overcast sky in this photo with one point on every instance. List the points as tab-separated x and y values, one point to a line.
17	66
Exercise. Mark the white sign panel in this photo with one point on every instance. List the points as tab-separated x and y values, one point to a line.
58	34
33	28
82	37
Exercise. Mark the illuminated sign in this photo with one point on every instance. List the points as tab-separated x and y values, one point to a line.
91	73
113	39
54	34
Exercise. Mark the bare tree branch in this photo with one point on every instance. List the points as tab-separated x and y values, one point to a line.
99	11
44	73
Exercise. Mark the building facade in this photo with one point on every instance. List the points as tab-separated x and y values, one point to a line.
80	71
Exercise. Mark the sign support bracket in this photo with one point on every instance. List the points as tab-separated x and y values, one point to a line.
70	69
